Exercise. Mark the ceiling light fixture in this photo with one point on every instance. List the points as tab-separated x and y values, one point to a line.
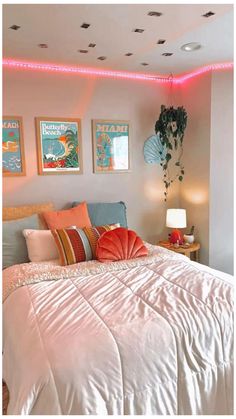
83	51
167	54
191	46
92	45
144	64
161	41
208	14
22	65
102	58
14	27
156	14
43	45
128	54
85	25
138	30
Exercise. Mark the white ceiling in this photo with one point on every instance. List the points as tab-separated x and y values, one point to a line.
111	30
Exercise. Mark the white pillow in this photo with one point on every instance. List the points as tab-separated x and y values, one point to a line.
41	245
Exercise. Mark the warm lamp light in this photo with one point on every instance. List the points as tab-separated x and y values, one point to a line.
176	218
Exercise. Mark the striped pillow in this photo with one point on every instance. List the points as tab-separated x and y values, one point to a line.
79	244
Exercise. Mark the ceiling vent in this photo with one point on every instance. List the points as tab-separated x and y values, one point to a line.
128	54
167	54
102	58
85	25
92	45
156	14
43	45
14	27
83	51
161	41
144	64
138	30
208	14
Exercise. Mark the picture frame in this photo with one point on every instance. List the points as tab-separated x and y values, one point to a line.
59	145
13	153
111	146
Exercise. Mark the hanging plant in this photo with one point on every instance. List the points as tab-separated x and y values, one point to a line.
170	127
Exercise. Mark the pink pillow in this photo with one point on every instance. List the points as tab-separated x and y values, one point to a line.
41	245
120	244
77	216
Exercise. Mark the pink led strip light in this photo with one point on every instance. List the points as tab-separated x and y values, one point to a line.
114	74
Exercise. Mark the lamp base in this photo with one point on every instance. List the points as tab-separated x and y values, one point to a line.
176	237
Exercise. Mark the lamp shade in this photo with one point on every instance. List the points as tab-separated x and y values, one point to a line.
176	218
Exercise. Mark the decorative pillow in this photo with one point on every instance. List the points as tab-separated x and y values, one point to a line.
41	245
101	213
14	248
79	245
22	211
120	244
63	219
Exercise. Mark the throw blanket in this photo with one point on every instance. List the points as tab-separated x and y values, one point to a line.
147	336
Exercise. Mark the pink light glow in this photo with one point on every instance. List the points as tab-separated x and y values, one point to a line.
202	70
114	74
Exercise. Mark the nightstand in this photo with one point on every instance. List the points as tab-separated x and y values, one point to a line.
192	248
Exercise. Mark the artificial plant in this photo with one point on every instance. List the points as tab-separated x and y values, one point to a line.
171	126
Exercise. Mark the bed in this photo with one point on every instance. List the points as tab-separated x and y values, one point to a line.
152	335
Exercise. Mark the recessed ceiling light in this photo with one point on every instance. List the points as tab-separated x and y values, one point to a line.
14	27
161	41
43	45
138	30
92	45
83	51
144	64
102	58
208	14
167	54
128	54
192	46
85	25
157	14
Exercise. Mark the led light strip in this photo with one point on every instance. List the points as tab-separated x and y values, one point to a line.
113	74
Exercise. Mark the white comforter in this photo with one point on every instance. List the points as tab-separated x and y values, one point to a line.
147	336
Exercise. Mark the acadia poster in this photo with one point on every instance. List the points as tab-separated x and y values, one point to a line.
13	162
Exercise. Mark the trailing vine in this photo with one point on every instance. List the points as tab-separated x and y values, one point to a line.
171	126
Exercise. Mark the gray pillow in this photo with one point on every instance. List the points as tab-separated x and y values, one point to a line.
101	213
14	249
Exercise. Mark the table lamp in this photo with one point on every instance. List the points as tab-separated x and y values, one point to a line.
176	218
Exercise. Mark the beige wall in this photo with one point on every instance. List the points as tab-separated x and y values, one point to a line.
221	173
31	94
195	95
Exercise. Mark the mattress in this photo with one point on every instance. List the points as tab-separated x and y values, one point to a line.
152	335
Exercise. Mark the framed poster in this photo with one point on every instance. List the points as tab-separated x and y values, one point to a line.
13	157
111	146
59	145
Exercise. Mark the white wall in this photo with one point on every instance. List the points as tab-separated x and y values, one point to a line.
31	94
221	172
195	95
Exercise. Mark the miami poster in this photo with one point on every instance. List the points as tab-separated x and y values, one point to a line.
59	145
13	161
111	146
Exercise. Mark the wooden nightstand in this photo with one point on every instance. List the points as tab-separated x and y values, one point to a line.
192	248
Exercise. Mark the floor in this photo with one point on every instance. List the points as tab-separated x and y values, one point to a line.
5	398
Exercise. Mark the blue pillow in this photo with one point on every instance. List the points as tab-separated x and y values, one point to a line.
102	213
14	249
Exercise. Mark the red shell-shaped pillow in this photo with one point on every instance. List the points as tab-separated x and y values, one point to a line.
119	244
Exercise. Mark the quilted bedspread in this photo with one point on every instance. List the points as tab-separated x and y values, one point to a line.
147	336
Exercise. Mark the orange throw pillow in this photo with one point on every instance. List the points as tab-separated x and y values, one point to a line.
77	216
120	244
